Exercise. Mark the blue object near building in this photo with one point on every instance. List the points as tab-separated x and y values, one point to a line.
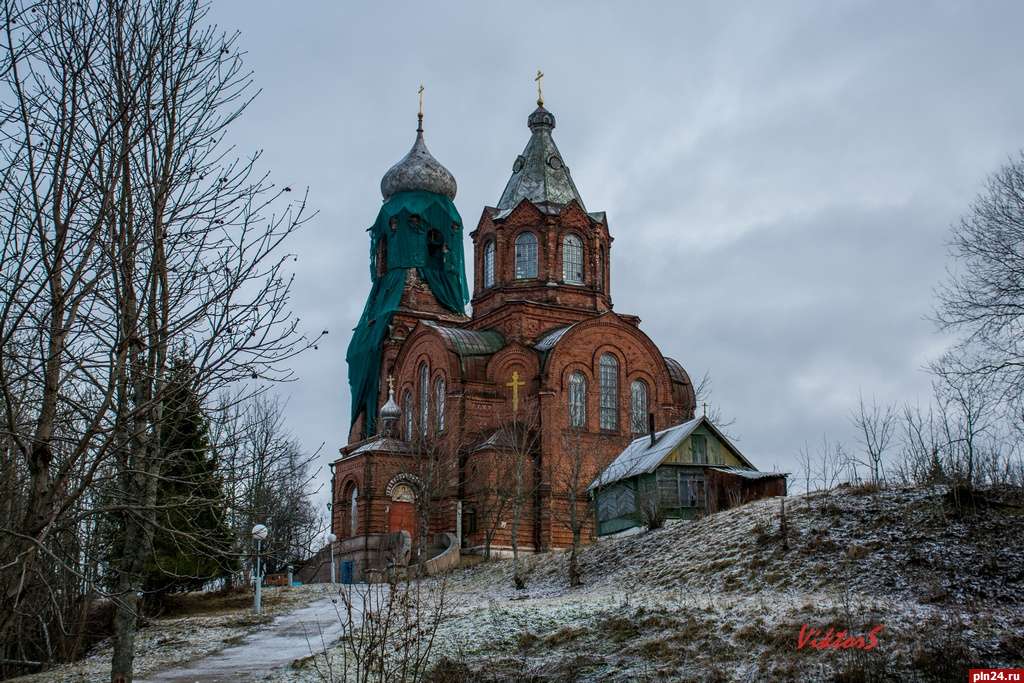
347	570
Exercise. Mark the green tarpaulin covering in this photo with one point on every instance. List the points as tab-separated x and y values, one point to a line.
420	230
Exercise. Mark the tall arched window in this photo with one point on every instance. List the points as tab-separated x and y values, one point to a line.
638	405
489	250
609	379
353	512
424	399
577	400
572	259
440	394
407	414
526	256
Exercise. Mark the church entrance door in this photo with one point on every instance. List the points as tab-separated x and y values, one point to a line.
402	515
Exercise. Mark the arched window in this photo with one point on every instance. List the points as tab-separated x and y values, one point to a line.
638	405
609	380
353	512
577	400
440	394
572	260
407	414
526	256
489	250
424	399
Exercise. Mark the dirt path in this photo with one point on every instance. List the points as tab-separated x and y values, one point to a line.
289	637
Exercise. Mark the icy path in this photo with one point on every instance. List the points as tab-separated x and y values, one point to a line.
289	637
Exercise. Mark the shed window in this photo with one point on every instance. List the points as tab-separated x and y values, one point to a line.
678	488
577	400
638	406
489	250
572	260
699	448
526	256
609	380
424	399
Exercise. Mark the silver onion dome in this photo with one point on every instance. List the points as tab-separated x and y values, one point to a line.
418	171
390	410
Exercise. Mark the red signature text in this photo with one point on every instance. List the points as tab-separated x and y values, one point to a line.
832	639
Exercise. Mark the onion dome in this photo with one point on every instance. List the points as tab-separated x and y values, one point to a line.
418	171
390	410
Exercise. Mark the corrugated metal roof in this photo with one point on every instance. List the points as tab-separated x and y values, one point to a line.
640	457
470	342
548	341
747	474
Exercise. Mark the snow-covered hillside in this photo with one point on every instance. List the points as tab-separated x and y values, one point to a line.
725	598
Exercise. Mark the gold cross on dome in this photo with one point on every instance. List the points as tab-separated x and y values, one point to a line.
540	95
515	384
391	383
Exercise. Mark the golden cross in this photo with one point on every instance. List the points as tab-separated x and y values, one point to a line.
540	95
421	99
391	384
514	385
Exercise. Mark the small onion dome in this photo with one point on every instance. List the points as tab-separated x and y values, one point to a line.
418	171
541	118
390	410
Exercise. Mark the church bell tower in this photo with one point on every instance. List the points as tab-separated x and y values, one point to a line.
417	271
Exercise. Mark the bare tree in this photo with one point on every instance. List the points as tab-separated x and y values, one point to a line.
572	474
983	297
518	439
876	427
129	231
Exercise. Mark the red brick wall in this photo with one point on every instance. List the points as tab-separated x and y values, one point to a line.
478	399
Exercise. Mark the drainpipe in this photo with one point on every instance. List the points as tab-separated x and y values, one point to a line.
650	426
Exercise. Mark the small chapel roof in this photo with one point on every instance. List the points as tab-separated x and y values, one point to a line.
469	342
539	174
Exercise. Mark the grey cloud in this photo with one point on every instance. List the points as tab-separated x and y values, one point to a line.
779	178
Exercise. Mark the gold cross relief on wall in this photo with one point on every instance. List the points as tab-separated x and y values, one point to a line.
515	385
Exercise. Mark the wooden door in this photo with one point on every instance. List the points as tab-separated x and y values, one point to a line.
402	517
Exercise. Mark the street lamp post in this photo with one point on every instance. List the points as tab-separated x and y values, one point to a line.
331	538
259	533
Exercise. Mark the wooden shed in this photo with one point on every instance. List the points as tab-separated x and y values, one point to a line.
681	472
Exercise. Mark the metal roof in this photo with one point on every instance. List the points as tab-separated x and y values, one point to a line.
470	342
747	474
418	170
676	371
550	338
539	174
640	457
381	444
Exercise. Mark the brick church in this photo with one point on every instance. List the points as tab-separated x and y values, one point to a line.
485	426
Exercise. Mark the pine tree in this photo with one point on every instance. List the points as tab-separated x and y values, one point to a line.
192	541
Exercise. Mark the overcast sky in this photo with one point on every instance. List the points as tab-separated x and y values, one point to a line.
780	178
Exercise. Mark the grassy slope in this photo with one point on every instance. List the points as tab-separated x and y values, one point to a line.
722	599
